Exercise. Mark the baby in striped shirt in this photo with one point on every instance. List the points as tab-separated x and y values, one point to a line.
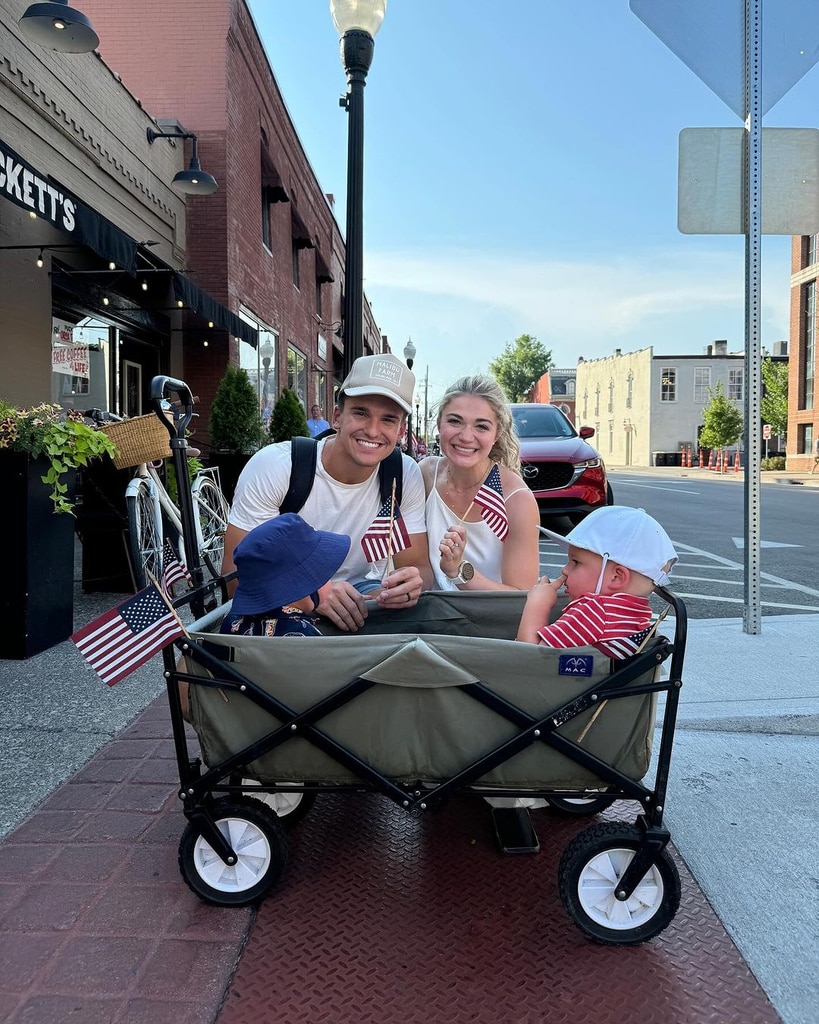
616	556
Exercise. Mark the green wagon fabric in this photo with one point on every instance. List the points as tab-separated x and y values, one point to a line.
416	723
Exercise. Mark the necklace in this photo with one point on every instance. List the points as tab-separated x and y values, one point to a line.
457	497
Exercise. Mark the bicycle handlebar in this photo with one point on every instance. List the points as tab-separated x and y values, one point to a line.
161	387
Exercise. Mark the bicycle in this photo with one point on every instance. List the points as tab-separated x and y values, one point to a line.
153	516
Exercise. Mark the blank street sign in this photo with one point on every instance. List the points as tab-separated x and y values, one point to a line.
711	177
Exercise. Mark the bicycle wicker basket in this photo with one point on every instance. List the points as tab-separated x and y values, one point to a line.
140	439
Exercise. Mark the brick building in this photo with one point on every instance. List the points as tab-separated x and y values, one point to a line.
266	243
803	417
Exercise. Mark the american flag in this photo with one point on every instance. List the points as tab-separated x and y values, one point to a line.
376	541
490	500
174	569
122	639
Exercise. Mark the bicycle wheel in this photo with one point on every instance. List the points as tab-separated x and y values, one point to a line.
212	521
145	537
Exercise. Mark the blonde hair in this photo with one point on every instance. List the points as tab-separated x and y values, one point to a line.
506	449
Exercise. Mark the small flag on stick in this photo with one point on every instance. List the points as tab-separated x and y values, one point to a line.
490	501
174	569
387	533
125	637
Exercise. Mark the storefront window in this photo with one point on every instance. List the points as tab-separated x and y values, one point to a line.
260	364
81	364
297	375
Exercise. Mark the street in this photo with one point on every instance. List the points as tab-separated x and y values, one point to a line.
703	515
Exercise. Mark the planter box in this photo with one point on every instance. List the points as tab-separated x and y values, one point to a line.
37	599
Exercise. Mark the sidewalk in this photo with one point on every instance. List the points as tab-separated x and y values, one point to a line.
385	918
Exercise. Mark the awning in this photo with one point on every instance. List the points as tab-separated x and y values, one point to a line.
300	231
209	309
52	202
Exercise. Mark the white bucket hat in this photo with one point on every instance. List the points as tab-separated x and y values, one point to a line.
625	535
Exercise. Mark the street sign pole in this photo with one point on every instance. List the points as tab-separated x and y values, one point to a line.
752	612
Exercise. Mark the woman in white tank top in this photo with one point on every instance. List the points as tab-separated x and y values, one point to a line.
481	517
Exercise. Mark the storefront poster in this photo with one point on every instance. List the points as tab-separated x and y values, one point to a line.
69	352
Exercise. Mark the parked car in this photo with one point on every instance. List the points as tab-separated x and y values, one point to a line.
566	475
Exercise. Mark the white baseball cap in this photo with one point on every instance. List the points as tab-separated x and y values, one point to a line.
382	375
625	535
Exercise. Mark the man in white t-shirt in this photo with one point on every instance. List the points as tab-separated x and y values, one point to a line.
370	418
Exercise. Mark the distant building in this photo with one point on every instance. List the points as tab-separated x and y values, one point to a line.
645	407
556	387
803	415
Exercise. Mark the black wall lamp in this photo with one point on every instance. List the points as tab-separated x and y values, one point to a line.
194	181
59	27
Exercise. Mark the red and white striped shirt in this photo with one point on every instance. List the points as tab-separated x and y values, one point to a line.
615	624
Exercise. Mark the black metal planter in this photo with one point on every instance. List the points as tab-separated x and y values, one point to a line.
37	601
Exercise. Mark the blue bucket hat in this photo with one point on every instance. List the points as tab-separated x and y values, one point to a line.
282	561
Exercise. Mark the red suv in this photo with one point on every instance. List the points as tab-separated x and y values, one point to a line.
566	475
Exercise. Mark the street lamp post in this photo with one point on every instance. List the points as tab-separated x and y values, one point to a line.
409	357
357	22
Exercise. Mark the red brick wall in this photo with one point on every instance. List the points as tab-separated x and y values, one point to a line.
204	66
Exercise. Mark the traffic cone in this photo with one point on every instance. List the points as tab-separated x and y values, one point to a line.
702	458
736	461
718	466
725	462
686	458
711	460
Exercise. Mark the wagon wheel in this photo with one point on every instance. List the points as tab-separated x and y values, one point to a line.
289	808
580	806
590	869
259	842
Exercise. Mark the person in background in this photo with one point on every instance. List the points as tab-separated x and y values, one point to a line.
617	555
317	424
482	519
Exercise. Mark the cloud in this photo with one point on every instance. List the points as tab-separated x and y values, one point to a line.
461	307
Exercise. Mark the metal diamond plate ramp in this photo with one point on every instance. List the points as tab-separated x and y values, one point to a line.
388	919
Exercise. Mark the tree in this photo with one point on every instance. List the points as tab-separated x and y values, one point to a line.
235	421
774	404
722	421
520	366
288	418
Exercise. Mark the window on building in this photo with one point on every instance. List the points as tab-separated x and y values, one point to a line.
260	363
736	378
585	403
804	439
813	250
629	390
570	387
809	345
295	250
668	387
702	383
611	396
297	375
319	310
597	400
266	219
611	436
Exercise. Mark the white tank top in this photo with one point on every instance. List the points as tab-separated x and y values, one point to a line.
483	549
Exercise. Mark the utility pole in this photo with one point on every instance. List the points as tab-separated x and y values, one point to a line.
426	405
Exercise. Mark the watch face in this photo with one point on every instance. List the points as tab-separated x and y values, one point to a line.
467	571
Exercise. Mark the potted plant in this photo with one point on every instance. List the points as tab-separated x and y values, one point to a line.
40	451
288	418
235	427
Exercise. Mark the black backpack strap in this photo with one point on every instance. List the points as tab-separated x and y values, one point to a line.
392	468
303	454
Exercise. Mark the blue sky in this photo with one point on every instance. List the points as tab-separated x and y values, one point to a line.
521	176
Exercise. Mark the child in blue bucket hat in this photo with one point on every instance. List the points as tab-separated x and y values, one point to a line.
282	564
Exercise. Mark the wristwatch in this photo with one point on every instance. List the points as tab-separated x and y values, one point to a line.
466	570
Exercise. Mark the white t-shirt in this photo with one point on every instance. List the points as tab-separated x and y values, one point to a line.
341	508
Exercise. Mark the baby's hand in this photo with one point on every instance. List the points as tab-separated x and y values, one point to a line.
545	584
